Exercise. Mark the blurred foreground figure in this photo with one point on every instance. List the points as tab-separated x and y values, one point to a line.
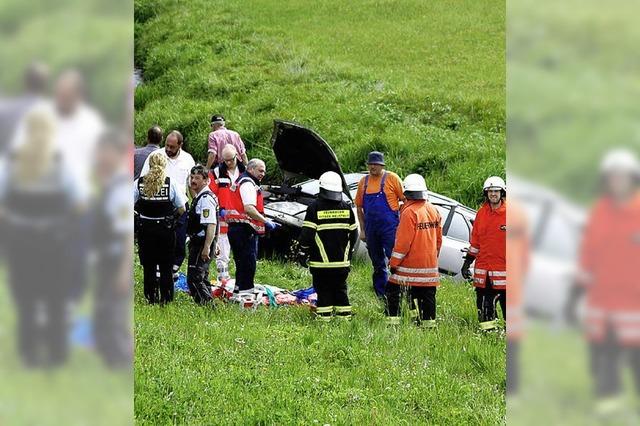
607	279
113	242
39	196
12	111
517	264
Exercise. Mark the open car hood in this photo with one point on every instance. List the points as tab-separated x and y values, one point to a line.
302	152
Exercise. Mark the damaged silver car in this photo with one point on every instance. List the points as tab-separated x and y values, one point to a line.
287	203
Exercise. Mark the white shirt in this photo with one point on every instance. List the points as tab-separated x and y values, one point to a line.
177	198
207	208
234	175
178	169
119	207
249	193
76	137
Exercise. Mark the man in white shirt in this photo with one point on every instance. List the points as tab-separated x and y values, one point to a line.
202	229
179	165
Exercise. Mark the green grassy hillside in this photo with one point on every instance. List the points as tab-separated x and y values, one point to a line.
423	82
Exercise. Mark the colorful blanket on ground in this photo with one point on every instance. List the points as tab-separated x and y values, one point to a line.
267	295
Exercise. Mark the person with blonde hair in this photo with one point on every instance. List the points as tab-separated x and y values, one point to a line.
157	201
37	198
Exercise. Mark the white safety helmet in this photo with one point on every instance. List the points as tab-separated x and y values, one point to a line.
415	187
494	182
620	160
331	181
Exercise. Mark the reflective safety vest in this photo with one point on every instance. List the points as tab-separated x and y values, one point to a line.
608	255
330	233
489	246
236	212
418	241
221	185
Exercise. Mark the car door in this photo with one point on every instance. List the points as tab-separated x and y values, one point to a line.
456	233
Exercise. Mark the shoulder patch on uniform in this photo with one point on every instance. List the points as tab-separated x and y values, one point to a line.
205	213
333	214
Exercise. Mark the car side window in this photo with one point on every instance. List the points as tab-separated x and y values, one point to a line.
458	228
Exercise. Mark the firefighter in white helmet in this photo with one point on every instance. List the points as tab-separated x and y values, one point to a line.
488	249
414	260
607	281
329	235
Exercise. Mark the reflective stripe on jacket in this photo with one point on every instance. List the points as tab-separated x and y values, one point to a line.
236	212
330	233
517	265
220	184
489	246
418	242
610	248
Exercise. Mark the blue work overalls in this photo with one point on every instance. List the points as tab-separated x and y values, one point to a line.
380	223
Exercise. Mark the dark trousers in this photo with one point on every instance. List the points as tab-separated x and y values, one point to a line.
424	297
486	300
180	250
198	272
243	242
380	240
156	248
112	315
79	246
607	358
331	286
513	367
40	285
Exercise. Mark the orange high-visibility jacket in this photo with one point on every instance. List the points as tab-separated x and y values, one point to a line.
517	264
488	245
418	242
608	259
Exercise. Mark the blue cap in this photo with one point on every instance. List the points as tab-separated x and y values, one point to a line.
376	157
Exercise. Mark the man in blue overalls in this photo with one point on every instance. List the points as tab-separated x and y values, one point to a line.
378	200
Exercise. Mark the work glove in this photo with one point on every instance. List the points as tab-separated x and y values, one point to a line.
303	257
466	273
271	225
571	306
222	213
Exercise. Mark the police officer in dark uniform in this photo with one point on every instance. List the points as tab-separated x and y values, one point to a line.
113	245
157	201
202	229
329	234
38	195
